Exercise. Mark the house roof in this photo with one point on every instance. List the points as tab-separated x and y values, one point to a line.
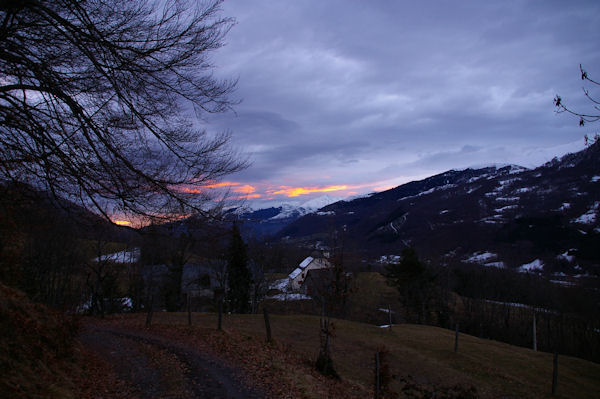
295	273
306	262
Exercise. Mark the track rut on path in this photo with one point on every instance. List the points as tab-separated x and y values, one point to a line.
157	367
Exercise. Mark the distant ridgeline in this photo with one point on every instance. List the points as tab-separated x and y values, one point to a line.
542	220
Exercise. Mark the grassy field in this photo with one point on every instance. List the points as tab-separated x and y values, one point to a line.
418	355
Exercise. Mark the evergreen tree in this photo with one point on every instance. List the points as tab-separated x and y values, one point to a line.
413	280
239	277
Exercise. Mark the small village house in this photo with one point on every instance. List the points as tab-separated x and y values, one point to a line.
297	277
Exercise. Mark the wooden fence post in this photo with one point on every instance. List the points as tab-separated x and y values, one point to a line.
456	339
150	310
534	333
377	378
189	309
219	323
555	374
267	324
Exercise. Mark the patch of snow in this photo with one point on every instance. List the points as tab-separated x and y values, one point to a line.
569	165
288	210
320	202
358	196
514	169
281	285
582	232
564	206
426	192
523	190
505	183
508	199
290	297
566	256
587	218
127	303
581	275
395	259
536	265
521	305
563	282
385	326
328	213
499	265
349	213
120	257
470	190
504	208
491	219
481	257
472	179
491	194
595	179
444	211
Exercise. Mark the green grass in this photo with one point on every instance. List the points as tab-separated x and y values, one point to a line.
425	353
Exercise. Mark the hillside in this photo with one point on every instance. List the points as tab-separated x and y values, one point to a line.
265	222
545	218
40	359
421	358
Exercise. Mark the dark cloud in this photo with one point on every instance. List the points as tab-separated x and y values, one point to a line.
344	92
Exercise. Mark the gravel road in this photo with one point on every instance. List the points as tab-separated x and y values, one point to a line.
157	367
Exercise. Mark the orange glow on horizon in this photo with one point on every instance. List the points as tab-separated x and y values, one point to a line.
297	191
266	191
245	189
122	222
383	188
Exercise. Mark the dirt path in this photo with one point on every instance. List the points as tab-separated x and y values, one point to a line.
158	367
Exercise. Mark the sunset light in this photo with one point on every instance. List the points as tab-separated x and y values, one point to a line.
296	191
264	191
122	222
245	189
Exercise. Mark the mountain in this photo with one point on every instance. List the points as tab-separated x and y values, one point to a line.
545	219
269	221
27	208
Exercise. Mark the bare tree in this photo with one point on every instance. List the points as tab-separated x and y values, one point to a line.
93	98
584	117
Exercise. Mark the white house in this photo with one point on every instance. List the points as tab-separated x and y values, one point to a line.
299	274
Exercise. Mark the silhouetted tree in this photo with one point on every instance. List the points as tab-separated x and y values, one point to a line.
93	97
413	280
584	117
239	278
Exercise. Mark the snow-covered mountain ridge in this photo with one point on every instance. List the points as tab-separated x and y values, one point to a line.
523	216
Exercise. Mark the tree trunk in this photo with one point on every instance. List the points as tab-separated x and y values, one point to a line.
456	339
150	310
189	309
534	333
555	373
220	317
267	324
377	381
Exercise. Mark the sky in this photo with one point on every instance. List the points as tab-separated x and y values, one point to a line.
349	97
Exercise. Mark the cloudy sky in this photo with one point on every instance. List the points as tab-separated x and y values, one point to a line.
348	97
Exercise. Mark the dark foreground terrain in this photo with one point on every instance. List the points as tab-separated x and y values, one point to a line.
154	366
